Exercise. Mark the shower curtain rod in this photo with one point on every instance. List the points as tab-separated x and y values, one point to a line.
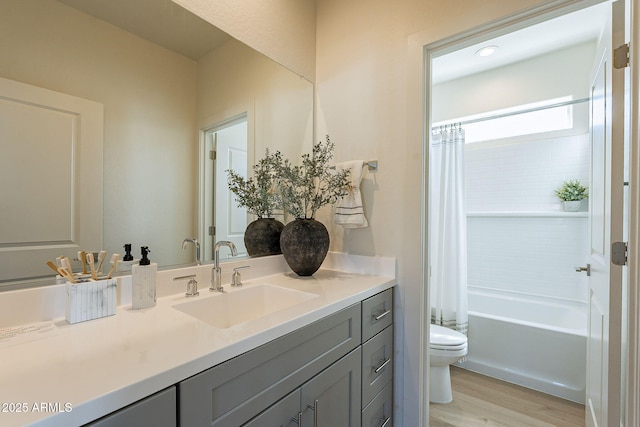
513	113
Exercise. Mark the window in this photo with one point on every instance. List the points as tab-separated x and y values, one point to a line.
522	120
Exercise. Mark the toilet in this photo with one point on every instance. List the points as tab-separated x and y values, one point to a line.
446	346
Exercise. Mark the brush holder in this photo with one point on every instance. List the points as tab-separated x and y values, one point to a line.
90	300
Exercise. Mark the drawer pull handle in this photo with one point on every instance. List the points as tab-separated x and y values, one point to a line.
298	420
384	424
381	315
381	367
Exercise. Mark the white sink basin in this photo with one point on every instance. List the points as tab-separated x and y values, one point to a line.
228	309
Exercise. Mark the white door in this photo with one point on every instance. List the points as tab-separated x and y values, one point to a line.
51	193
606	223
231	153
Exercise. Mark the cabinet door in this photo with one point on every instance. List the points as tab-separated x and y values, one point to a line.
332	398
285	413
158	410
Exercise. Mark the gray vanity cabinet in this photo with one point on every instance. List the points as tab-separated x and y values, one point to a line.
232	393
158	410
377	360
331	398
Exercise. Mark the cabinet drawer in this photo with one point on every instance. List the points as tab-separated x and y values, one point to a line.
379	413
377	313
377	364
156	410
235	391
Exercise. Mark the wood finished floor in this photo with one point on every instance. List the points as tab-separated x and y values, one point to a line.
479	400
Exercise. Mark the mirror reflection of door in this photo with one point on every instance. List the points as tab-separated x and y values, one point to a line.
226	148
51	161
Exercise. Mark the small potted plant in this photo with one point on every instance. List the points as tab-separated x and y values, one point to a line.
304	189
572	193
259	196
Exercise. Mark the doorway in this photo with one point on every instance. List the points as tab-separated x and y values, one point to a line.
492	95
224	148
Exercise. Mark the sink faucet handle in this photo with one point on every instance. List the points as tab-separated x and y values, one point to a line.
192	285
236	280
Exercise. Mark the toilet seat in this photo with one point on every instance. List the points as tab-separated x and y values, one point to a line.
441	338
448	347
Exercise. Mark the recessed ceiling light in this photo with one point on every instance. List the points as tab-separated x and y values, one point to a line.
487	51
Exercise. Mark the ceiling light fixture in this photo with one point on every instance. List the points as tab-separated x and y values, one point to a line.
487	51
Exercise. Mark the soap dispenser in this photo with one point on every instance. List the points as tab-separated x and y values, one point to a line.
143	281
127	252
127	261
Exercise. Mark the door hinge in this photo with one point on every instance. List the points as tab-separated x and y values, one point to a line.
212	230
212	155
619	253
621	57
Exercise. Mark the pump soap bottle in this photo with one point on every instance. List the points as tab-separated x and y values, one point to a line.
127	260
143	282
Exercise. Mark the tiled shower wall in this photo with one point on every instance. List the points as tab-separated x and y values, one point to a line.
523	176
518	237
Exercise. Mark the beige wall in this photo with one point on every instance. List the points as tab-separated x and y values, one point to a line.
369	95
235	79
284	30
149	98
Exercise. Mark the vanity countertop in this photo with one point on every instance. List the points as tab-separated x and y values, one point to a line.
72	374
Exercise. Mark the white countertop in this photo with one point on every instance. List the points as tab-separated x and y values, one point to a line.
84	371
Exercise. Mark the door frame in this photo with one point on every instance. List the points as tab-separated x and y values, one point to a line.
633	305
428	50
206	197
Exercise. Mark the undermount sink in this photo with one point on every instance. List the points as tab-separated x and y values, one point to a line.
240	305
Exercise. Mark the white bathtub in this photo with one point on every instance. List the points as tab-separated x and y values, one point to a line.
528	341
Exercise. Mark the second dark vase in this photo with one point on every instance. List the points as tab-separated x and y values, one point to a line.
262	237
304	244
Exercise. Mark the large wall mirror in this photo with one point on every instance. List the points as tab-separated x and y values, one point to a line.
166	81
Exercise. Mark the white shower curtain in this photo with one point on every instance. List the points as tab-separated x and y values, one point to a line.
448	230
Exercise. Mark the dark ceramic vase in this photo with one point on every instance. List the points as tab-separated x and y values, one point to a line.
304	243
262	237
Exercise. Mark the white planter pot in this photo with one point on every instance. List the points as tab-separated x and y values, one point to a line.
572	206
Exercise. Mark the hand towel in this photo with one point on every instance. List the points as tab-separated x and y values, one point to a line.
349	211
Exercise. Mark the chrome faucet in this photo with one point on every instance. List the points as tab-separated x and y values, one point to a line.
196	244
216	272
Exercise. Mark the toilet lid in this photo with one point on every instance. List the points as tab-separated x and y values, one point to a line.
441	336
